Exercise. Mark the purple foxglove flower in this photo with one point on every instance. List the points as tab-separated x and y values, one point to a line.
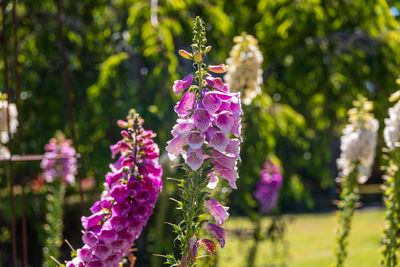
192	249
219	141
215	82
201	119
102	252
237	129
93	220
208	245
175	146
268	187
226	173
76	262
195	140
128	202
108	235
225	122
183	127
212	184
217	232
185	105
59	160
181	85
119	193
84	253
211	102
228	161
233	147
115	149
210	133
195	158
113	177
101	204
90	238
219	212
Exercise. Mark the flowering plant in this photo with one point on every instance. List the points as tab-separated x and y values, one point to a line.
357	147
207	135
59	166
268	187
245	68
59	160
267	194
130	193
391	233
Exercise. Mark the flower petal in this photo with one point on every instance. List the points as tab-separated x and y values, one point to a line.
181	85
195	158
186	103
219	141
175	146
219	212
216	232
195	140
211	102
212	184
201	119
225	122
208	245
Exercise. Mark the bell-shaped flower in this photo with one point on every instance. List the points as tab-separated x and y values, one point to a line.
195	140
233	147
182	127
195	158
208	245
211	102
212	184
217	232
219	141
215	83
201	119
226	173
185	105
225	122
192	249
219	212
93	220
181	85
175	146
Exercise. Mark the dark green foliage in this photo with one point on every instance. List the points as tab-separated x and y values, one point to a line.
54	225
391	233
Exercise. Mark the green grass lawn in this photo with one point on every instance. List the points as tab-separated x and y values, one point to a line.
310	241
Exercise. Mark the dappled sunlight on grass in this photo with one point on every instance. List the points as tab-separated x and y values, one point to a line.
311	241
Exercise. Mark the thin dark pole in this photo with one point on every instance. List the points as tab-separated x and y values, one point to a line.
68	88
14	245
21	167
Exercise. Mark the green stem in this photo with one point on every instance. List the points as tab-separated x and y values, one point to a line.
391	233
251	258
348	199
53	227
